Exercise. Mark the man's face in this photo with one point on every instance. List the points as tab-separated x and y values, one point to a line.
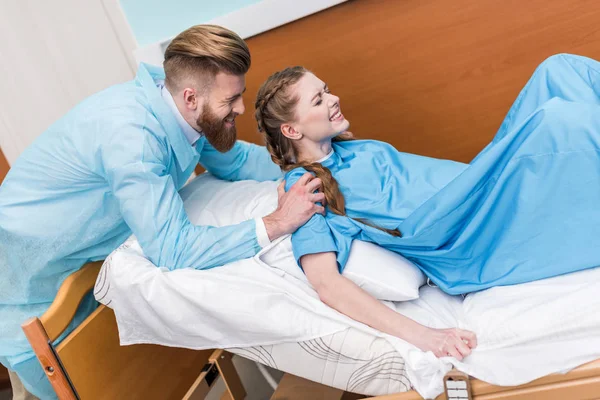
223	103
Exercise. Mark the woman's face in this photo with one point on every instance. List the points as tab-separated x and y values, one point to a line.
318	116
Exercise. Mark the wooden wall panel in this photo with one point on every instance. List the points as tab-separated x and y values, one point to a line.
3	166
432	77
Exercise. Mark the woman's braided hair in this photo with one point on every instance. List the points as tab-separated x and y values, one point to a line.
274	106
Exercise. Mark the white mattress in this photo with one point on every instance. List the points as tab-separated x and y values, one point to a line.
350	360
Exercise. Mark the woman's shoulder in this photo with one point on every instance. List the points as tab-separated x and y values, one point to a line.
293	176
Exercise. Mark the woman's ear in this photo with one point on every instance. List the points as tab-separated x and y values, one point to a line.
290	132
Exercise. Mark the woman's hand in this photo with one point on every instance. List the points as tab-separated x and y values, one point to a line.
453	342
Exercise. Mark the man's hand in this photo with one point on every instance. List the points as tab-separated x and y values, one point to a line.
295	207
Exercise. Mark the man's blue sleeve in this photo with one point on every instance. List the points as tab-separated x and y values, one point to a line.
243	161
135	168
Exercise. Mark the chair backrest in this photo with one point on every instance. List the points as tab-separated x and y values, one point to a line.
90	363
100	368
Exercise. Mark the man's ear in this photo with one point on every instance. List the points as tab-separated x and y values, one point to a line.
290	132
191	100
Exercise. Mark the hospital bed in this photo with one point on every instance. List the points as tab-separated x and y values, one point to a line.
90	364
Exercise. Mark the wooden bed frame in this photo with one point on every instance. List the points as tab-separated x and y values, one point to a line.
90	364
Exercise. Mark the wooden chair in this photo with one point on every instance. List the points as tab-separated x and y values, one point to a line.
90	363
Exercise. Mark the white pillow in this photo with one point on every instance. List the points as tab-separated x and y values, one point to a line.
382	273
211	201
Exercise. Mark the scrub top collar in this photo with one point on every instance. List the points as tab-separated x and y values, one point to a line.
191	134
338	156
148	76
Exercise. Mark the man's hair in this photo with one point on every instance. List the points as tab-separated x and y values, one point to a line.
202	51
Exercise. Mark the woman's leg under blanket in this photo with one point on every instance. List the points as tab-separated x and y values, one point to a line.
566	76
529	210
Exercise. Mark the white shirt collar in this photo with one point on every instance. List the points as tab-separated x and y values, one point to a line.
326	157
190	133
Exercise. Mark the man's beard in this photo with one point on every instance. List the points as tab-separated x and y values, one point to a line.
217	133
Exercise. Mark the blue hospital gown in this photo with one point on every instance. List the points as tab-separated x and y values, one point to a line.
526	208
109	168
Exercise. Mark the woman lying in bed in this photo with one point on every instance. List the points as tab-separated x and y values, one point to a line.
525	208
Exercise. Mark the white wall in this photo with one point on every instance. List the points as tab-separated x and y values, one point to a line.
54	54
254	17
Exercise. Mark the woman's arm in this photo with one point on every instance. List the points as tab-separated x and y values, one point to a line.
344	296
